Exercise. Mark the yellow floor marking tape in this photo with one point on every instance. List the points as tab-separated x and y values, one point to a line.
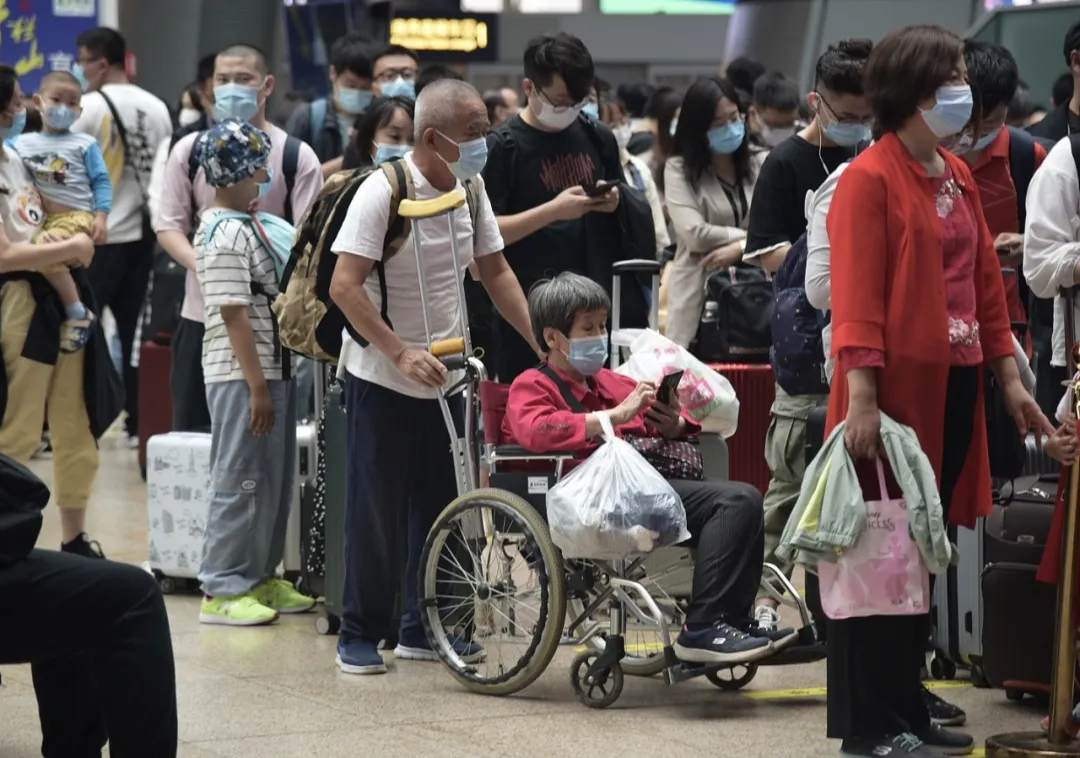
979	752
804	692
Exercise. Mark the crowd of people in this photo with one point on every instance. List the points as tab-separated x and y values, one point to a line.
894	182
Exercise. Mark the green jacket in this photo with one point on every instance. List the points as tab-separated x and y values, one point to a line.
830	514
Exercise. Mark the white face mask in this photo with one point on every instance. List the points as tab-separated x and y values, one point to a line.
556	119
622	135
188	116
773	137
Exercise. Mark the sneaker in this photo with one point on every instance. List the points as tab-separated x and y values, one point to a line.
420	650
947	741
45	450
766	617
131	442
243	610
1072	727
282	597
941	712
901	746
75	333
359	656
84	546
722	643
780	638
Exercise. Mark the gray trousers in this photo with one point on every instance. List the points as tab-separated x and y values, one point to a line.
251	489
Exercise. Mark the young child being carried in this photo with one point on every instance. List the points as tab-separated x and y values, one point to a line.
70	174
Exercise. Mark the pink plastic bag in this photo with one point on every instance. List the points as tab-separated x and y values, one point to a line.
884	574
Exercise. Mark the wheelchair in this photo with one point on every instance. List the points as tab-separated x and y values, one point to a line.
490	573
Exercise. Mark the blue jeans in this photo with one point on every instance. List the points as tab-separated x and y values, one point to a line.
251	489
401	476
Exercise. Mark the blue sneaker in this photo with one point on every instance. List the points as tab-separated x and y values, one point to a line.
359	656
413	648
721	643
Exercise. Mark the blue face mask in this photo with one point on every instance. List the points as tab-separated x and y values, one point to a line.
18	123
984	142
400	87
354	101
384	152
847	135
238	101
725	140
952	111
592	110
78	73
472	157
588	354
264	187
59	117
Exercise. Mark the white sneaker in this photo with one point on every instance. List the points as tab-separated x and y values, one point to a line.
767	618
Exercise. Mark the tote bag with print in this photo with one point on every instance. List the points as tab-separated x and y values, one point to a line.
883	574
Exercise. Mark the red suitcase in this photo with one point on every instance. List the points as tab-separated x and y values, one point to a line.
755	387
155	397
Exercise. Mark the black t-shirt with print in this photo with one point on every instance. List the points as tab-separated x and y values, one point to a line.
793	168
526	168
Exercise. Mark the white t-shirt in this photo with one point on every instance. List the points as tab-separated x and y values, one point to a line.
147	122
20	204
226	267
363	232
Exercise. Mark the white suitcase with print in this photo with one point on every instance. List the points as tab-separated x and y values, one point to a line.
306	452
177	482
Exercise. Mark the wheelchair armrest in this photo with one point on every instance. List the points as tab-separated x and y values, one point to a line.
517	451
637	266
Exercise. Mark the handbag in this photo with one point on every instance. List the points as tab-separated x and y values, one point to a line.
673	459
736	320
883	574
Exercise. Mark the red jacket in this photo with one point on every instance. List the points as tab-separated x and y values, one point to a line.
888	294
539	419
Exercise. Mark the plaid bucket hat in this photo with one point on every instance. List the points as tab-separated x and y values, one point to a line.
231	151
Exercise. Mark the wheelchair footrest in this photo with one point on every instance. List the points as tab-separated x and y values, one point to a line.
795	654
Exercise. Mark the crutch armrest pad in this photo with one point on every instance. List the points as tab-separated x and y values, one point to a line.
436	206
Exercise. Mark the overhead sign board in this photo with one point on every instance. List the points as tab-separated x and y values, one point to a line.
445	37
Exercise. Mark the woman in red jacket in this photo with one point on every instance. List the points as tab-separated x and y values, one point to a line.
918	312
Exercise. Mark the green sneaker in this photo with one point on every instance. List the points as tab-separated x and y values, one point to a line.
282	597
244	610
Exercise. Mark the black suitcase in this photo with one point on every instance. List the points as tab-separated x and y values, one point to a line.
1018	610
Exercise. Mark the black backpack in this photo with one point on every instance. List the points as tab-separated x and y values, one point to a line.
797	354
736	322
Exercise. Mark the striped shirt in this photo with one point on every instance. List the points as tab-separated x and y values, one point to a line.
226	267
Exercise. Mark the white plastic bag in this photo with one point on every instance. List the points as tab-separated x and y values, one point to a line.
613	505
707	397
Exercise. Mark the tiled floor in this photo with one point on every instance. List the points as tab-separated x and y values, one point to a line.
275	692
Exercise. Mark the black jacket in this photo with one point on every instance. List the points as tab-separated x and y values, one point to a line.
103	390
1054	127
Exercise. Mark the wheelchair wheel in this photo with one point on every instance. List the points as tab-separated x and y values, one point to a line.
734	677
602	688
643	642
500	587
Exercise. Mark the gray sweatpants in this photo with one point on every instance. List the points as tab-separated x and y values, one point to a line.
251	489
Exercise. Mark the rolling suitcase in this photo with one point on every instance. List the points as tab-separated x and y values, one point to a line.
333	518
305	469
755	387
957	610
155	398
177	482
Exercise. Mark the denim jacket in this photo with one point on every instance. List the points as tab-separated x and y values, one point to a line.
831	512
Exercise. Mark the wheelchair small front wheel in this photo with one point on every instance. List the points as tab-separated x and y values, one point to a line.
595	688
733	678
492	592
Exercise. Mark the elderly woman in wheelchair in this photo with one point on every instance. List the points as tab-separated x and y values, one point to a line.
556	408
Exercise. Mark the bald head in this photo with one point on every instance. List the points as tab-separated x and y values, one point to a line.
452	108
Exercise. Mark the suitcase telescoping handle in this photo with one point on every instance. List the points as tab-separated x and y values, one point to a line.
633	268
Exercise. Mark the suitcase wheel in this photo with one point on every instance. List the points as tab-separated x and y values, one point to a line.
327	623
167	584
1014	695
978	676
942	667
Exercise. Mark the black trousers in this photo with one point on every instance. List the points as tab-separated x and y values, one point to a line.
727	527
97	637
119	276
190	411
400	478
874	662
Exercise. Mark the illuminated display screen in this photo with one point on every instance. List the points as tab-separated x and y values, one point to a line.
670	7
471	37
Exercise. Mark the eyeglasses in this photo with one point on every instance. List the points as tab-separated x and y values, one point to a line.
390	74
845	119
558	108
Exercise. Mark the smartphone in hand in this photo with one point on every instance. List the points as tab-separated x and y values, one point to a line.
597	189
669	385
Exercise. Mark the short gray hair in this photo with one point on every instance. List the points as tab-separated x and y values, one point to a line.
437	105
555	303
